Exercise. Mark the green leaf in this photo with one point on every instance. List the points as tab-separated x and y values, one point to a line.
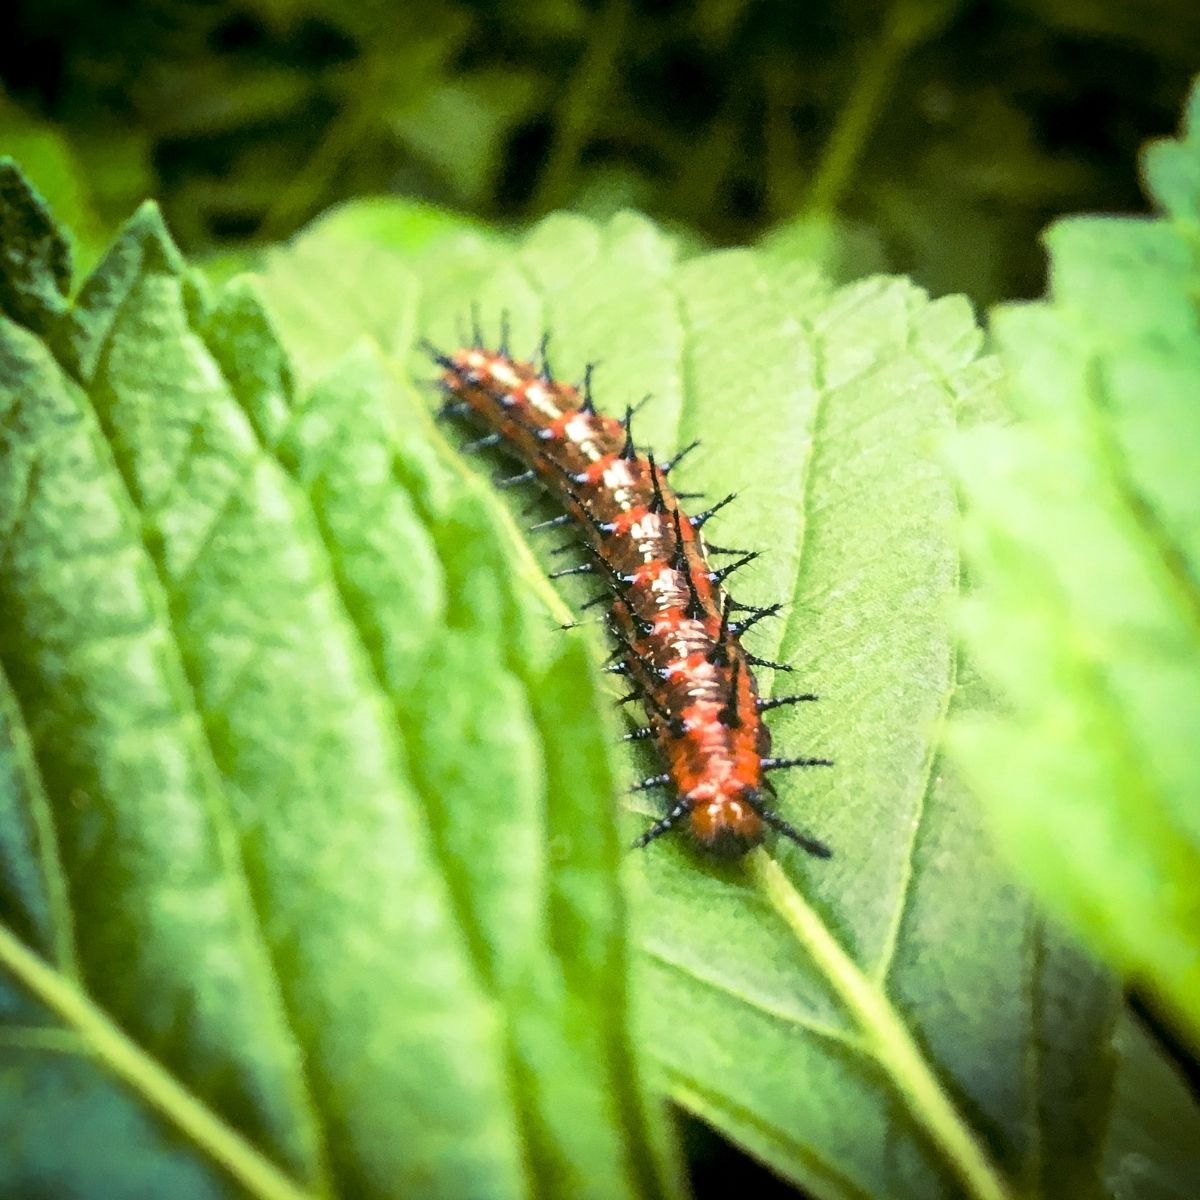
272	923
52	163
461	127
897	1021
34	255
1153	1150
1084	530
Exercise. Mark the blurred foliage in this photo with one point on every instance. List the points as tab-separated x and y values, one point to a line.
1082	529
948	132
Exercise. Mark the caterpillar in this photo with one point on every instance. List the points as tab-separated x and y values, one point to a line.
677	632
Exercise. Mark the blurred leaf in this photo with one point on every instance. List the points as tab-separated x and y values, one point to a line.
461	126
251	118
841	250
209	98
397	224
1153	1149
1084	527
1168	27
864	1025
298	887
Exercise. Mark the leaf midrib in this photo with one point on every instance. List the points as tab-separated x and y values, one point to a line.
894	1048
54	878
127	1061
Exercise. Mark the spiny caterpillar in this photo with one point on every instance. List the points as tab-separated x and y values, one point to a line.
677	632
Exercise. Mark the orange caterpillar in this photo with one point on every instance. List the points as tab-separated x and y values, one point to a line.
672	622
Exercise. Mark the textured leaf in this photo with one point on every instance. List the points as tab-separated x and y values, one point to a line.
1084	528
52	163
896	1021
294	886
1153	1150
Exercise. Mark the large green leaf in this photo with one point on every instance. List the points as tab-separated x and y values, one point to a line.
897	1021
1084	528
295	886
366	936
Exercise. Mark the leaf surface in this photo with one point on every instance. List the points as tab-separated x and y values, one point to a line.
896	1021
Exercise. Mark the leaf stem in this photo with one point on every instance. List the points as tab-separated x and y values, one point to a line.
585	92
132	1065
908	23
886	1034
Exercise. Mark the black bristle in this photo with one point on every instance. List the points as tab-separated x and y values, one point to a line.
628	651
695	608
740	627
629	450
588	406
700	518
780	701
505	334
487	442
719	654
662	825
511	481
651	781
724	573
542	358
658	503
679	456
775	821
476	330
598	526
453	408
783	764
755	661
553	523
723	549
582	569
438	357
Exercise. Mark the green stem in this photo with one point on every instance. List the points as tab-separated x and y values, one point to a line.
133	1066
582	97
888	1037
907	24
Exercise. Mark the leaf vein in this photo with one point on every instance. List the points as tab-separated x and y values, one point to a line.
777	1013
227	836
58	901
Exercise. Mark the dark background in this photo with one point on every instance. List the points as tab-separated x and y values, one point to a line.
943	134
